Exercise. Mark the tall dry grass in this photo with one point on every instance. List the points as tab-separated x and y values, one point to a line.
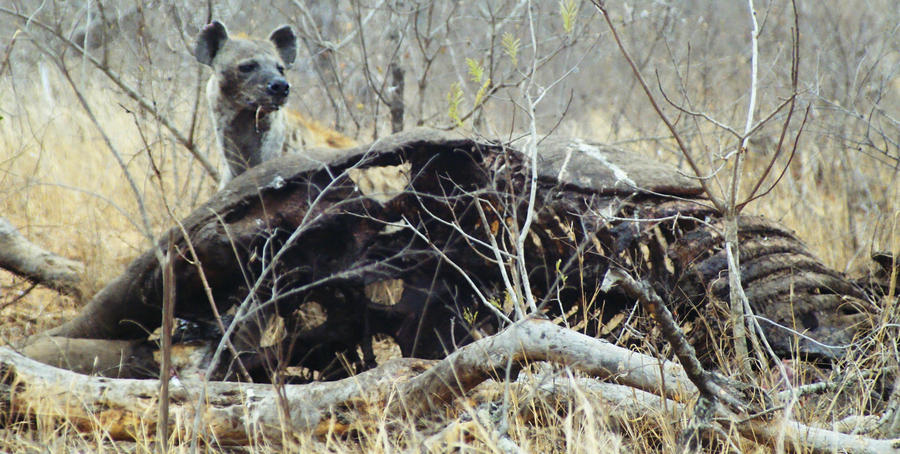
60	185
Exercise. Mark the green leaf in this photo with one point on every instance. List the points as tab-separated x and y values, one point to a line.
481	91
475	70
454	98
470	316
511	46
568	9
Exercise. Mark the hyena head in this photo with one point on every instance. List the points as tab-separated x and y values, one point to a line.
246	91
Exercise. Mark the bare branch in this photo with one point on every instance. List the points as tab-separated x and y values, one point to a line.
131	92
397	386
26	259
637	74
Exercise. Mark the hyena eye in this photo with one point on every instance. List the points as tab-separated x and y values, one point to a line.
280	69
248	67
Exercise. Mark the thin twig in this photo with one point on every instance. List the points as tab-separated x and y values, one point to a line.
637	73
165	348
147	230
131	92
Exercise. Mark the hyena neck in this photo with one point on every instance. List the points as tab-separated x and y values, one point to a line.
246	138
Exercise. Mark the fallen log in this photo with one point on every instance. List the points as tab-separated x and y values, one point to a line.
28	260
440	214
235	412
125	409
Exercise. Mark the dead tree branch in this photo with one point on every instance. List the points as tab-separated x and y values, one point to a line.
705	381
236	410
26	259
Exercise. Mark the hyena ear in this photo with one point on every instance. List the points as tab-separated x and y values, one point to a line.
209	41
286	43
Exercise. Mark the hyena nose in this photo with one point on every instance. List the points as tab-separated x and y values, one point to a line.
278	88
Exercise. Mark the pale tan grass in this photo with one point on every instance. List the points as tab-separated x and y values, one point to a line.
64	191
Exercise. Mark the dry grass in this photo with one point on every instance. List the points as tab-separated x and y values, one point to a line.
61	187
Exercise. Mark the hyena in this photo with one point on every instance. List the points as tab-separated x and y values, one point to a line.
246	94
